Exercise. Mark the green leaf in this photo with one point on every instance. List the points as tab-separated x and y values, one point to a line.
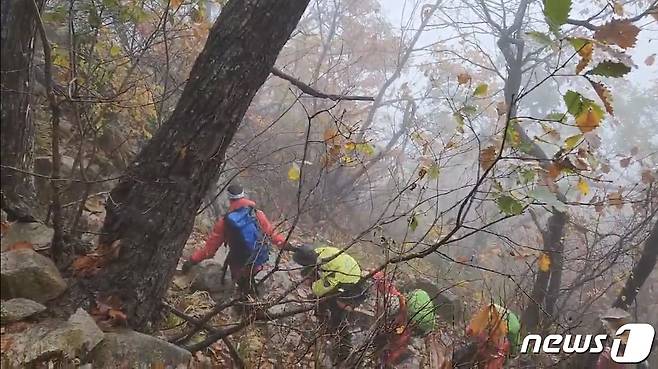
433	171
481	89
578	42
413	223
610	69
469	110
572	141
527	176
540	37
543	194
509	205
365	148
557	117
574	102
557	12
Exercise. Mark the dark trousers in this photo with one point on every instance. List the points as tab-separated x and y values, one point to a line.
337	325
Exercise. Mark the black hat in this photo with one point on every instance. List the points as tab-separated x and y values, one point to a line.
305	255
235	191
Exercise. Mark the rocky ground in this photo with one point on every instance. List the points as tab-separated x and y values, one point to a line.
31	337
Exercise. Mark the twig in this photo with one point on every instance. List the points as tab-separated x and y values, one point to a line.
315	93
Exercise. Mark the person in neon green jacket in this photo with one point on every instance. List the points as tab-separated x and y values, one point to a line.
335	278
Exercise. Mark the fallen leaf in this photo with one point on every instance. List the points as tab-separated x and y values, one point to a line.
544	262
650	59
117	315
20	246
4	227
622	33
6	342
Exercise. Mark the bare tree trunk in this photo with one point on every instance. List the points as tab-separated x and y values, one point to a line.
17	139
640	272
151	211
547	284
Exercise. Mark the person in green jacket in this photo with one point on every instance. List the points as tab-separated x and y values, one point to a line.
335	279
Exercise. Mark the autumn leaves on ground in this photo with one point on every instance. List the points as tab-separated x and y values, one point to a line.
500	155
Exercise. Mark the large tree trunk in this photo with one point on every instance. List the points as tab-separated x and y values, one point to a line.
640	272
151	211
17	139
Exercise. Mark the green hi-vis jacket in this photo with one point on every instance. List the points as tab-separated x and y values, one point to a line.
341	269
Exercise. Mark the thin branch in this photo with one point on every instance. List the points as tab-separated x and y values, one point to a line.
315	93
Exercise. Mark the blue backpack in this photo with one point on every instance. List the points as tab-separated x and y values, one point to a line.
245	238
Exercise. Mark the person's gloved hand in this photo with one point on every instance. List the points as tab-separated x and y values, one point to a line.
187	265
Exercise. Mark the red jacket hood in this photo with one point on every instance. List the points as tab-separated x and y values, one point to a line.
240	203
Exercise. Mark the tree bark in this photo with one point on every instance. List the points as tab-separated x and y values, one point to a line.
17	139
640	272
151	211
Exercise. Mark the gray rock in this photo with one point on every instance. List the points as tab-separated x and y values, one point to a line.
18	309
39	235
70	339
135	350
30	275
207	276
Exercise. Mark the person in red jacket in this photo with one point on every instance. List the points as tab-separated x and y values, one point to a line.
393	342
241	273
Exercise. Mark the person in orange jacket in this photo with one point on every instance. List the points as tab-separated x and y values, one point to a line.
243	270
393	342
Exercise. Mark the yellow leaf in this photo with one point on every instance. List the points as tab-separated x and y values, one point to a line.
583	187
585	56
589	119
481	89
544	262
572	141
400	329
619	8
350	146
294	172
